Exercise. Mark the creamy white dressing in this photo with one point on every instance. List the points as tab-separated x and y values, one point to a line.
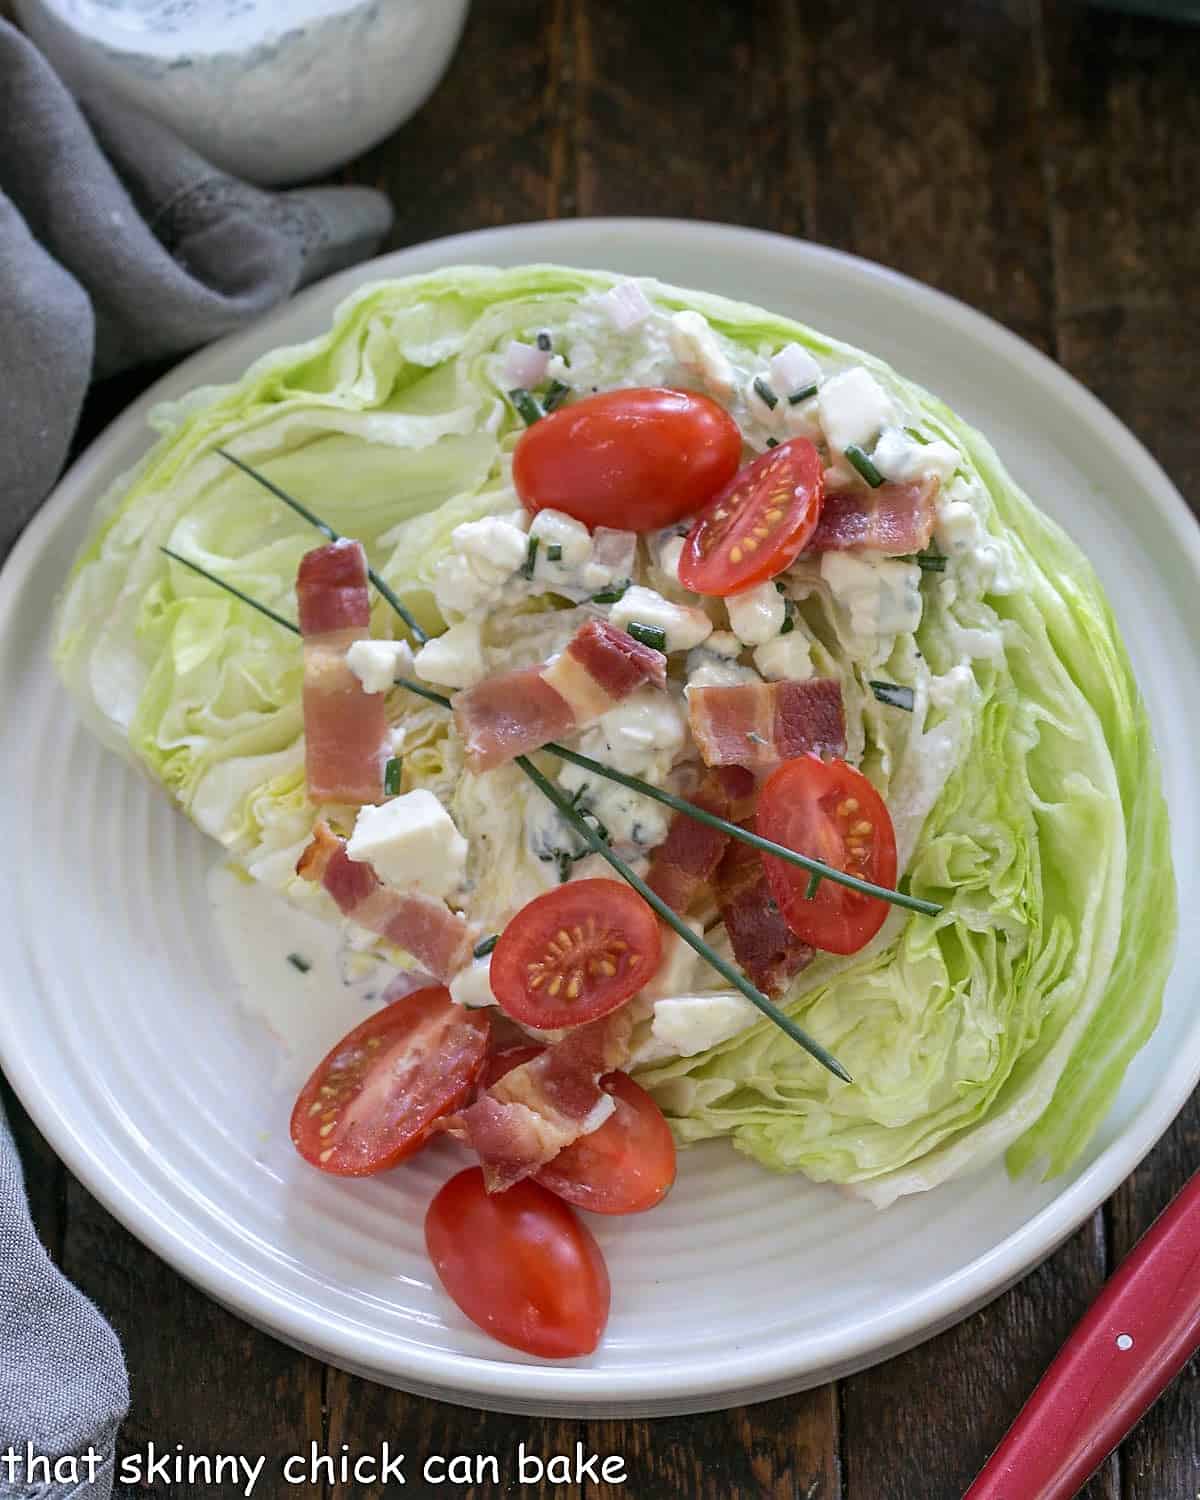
307	1011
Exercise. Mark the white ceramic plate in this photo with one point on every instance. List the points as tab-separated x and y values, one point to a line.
119	1031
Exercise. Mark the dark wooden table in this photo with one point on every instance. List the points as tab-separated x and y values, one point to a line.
1037	159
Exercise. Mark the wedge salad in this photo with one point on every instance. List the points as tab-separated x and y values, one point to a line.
691	703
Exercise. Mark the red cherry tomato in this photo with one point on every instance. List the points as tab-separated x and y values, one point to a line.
520	1265
374	1099
575	953
635	459
625	1167
831	812
758	524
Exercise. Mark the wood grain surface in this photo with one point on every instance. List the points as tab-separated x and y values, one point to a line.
1038	159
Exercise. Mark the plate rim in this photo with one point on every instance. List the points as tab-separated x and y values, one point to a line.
580	1389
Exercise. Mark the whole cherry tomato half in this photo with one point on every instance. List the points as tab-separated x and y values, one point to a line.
374	1100
520	1265
575	953
634	459
831	812
758	524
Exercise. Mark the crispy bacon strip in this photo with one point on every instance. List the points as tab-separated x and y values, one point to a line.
687	859
514	713
894	519
438	938
345	728
759	724
763	944
528	1116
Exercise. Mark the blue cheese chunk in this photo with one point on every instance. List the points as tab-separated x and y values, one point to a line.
854	409
756	615
683	625
453	659
377	664
411	843
695	346
881	595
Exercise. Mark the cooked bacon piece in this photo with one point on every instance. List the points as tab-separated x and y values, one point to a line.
527	1117
345	728
763	944
894	519
438	938
759	724
509	715
687	859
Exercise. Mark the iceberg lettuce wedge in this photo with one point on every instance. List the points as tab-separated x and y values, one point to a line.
1023	785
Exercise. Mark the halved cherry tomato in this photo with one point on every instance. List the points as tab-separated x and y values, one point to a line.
636	459
830	811
374	1099
520	1265
625	1167
758	524
575	953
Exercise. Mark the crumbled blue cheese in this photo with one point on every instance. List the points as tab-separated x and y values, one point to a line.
683	1025
854	409
715	663
555	529
472	986
411	843
683	625
695	346
793	369
377	664
756	614
669	554
643	736
786	658
495	546
881	595
901	458
455	658
485	557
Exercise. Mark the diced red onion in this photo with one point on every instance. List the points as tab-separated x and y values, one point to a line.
626	305
525	365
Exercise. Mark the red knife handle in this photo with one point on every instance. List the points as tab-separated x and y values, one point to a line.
1130	1345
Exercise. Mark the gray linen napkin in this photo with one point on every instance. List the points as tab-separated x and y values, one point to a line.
118	245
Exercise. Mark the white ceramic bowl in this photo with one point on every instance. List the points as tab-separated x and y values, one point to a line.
275	91
118	1029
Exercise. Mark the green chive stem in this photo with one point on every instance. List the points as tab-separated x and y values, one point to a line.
802	395
482	949
419	635
263	609
765	393
526	405
391	776
862	462
726	970
810	890
653	636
